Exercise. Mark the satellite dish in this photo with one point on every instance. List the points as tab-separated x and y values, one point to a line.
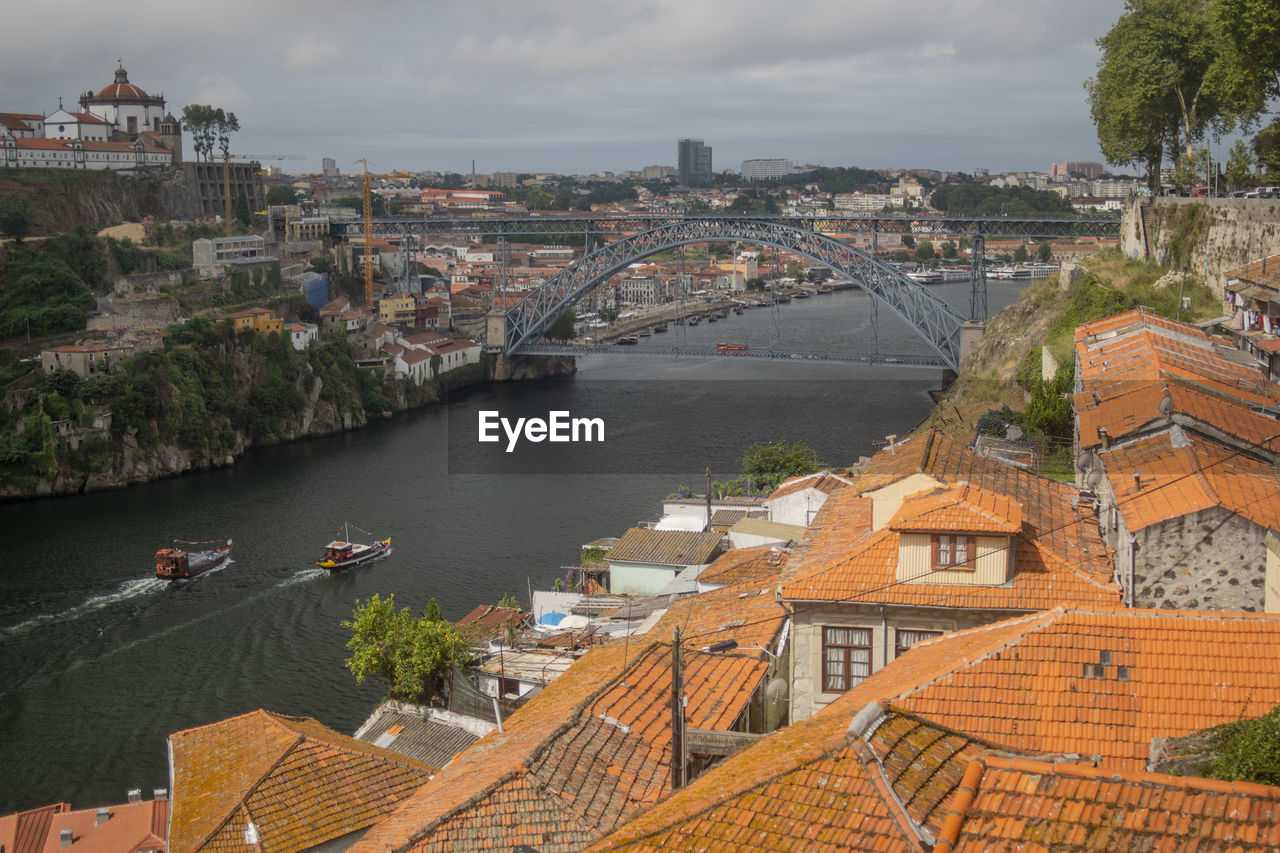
776	690
1084	462
1094	479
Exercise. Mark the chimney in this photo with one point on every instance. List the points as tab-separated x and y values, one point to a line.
160	794
65	837
135	795
103	815
1137	481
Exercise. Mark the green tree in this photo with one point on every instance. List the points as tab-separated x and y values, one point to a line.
1240	164
562	328
16	216
764	466
411	656
948	249
209	126
1266	147
282	194
1044	251
1020	255
243	214
1172	70
924	250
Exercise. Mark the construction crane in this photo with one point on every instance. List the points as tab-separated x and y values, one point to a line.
226	178
367	198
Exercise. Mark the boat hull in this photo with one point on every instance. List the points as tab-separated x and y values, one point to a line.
358	554
173	564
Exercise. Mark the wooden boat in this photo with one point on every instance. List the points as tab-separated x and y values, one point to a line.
343	553
179	564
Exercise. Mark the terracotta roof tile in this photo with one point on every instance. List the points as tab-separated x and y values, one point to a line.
302	783
823	481
741	565
963	508
588	752
961	703
1154	481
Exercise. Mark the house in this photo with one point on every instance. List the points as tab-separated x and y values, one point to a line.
797	500
428	735
933	538
645	561
331	315
280	783
260	320
1178	442
1033	733
302	334
743	565
414	365
84	360
753	532
1252	297
137	826
458	353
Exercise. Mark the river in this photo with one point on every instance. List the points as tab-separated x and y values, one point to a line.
101	661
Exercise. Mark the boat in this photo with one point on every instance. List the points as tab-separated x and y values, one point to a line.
645	333
660	327
731	349
343	553
179	564
629	340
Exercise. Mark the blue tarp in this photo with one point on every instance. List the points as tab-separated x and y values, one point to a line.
552	618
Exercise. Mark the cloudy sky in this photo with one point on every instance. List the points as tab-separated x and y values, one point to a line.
581	86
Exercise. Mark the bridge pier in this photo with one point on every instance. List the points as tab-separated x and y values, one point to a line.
970	336
495	330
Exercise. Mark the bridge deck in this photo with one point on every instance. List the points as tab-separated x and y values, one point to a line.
931	362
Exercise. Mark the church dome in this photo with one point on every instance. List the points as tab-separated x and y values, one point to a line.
121	89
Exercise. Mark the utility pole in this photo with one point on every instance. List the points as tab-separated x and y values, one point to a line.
708	499
677	716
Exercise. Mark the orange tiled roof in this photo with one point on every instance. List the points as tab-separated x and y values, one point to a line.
960	704
588	752
745	612
1264	272
1155	480
743	565
869	575
1026	804
1052	516
299	782
963	508
128	828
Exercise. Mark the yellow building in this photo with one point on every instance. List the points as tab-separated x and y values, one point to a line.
398	310
258	319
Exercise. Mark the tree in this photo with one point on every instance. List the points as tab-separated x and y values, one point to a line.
209	126
924	250
282	194
1044	251
16	216
948	249
411	656
765	466
1020	255
562	329
1240	165
1172	70
243	214
1266	146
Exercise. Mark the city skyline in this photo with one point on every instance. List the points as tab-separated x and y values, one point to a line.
579	88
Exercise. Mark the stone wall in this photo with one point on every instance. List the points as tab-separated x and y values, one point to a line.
1209	235
1208	560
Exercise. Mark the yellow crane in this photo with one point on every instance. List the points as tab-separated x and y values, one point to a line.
367	198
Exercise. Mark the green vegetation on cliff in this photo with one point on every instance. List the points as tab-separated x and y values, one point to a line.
207	394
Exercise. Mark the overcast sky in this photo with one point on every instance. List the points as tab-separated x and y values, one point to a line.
581	86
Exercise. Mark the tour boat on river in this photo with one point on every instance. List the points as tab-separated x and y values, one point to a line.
177	564
343	553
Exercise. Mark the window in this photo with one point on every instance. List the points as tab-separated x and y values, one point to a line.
907	639
952	550
846	658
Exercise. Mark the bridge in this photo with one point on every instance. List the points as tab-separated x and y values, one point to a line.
612	243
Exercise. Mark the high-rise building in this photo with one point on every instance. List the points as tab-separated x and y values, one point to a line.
693	163
764	170
328	166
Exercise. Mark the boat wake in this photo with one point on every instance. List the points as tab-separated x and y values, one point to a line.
127	590
302	576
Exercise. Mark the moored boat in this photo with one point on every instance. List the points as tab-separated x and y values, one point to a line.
179	564
343	553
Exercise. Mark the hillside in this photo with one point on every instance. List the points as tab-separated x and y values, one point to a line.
65	198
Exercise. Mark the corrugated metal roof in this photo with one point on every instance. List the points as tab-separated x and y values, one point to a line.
421	738
666	547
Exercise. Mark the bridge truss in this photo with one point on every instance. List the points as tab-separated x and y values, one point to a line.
936	322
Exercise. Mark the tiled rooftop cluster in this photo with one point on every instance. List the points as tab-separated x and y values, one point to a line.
986	740
298	782
1179	438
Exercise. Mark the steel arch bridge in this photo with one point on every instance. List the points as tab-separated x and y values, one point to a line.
937	324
